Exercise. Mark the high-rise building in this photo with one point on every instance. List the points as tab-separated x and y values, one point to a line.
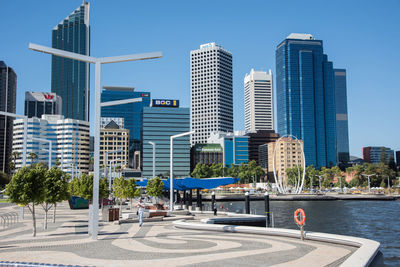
258	101
38	103
342	124
211	91
8	91
398	158
70	78
131	113
235	146
258	138
305	94
115	139
373	154
70	142
159	124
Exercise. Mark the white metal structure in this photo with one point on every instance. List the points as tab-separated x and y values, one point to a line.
368	175
171	169
25	118
258	101
94	218
280	181
105	165
154	157
211	92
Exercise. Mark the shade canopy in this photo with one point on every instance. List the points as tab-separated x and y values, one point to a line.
189	183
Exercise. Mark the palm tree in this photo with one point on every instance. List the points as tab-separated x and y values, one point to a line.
33	156
14	157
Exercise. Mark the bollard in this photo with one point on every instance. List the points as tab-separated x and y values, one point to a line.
267	212
201	201
247	202
21	213
190	199
213	204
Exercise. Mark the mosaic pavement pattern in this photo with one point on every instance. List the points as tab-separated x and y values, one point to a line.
153	244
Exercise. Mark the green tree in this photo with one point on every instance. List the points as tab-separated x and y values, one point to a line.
155	187
55	190
233	171
32	156
4	179
216	170
119	189
85	189
383	155
201	171
27	188
392	164
311	176
104	190
132	191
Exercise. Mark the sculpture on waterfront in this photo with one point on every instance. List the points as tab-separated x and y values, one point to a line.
281	180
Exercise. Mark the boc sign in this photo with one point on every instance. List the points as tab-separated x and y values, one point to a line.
165	103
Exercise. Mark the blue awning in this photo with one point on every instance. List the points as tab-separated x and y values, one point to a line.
194	183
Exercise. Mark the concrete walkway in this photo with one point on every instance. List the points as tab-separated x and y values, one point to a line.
155	244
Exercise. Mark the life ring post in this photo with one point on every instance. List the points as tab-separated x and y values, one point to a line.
300	219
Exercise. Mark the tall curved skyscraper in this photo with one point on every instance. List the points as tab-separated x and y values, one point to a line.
70	78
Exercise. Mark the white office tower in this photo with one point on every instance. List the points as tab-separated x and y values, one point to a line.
258	101
69	137
211	92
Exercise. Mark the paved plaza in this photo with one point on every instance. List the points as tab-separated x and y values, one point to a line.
154	244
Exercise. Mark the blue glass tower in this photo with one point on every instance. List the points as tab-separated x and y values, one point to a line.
70	78
305	92
342	126
132	113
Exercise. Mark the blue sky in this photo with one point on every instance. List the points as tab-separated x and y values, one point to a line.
360	36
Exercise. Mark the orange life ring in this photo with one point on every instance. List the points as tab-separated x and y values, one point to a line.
296	217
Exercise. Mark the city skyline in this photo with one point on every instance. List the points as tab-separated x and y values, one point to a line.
342	41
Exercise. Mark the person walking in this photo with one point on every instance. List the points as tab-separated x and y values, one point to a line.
215	208
140	205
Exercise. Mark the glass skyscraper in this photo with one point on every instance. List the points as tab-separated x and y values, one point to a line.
132	113
70	78
305	92
8	99
159	124
342	126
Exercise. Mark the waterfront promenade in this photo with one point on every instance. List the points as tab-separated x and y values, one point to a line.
157	243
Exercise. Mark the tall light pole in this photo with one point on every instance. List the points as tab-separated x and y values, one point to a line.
320	178
24	133
369	175
50	147
94	216
171	169
106	159
57	152
154	158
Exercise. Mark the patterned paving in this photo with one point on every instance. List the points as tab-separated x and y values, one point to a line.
155	244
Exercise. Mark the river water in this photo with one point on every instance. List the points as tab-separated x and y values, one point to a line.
377	220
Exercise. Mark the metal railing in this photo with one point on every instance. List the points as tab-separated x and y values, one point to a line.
9	218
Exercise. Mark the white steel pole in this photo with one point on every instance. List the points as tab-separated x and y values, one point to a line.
24	145
171	189
95	214
154	157
50	155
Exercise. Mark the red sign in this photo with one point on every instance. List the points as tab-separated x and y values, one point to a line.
48	96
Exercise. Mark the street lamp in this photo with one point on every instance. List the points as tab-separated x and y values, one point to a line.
59	152
94	216
368	175
171	159
320	178
154	157
25	132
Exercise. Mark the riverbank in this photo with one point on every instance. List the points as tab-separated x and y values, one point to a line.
302	197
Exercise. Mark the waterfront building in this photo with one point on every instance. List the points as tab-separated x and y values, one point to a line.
342	125
257	138
70	138
288	154
8	93
205	154
70	78
114	138
39	103
373	154
131	113
305	94
235	146
258	101
211	92
159	124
